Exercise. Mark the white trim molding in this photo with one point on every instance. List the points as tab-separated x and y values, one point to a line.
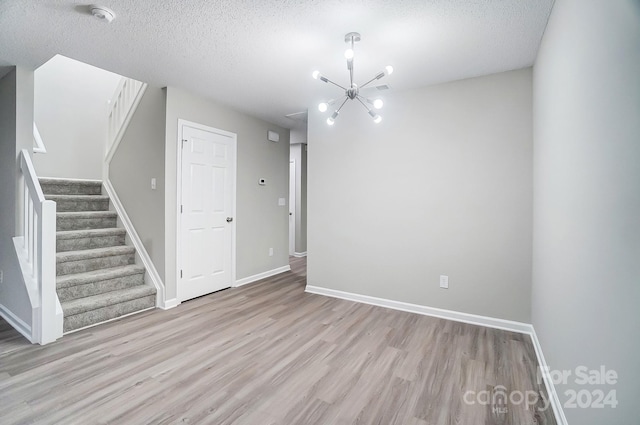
169	304
152	273
263	275
457	316
17	323
548	382
300	254
473	319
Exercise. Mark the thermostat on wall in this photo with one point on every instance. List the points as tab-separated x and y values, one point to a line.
262	182
273	136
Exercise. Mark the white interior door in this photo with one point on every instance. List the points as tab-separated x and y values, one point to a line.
292	207
207	210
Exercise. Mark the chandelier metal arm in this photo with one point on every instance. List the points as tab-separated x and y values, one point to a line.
345	101
377	77
326	80
363	104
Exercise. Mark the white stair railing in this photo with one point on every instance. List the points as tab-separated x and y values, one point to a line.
38	144
125	100
39	254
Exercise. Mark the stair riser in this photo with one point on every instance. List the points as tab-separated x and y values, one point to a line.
106	313
70	189
65	205
90	264
64	245
67	223
101	287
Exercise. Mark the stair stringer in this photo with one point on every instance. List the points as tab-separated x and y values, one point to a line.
151	273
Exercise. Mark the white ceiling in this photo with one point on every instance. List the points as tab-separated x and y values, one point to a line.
258	55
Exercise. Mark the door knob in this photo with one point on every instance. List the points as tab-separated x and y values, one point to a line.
229	219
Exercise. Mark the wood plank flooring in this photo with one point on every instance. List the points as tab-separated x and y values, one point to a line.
270	354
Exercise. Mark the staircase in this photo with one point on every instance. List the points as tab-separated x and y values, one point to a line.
97	278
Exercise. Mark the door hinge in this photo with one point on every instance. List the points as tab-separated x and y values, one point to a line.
180	274
181	208
184	141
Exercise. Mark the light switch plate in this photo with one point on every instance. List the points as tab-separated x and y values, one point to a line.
282	202
444	282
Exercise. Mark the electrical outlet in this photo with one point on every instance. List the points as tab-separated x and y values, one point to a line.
444	281
1	276
153	184
270	252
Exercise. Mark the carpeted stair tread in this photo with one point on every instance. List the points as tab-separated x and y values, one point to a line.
109	312
76	197
62	181
89	233
77	203
68	280
86	220
74	240
57	186
86	214
82	305
85	254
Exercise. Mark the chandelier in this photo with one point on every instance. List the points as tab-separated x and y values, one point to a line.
353	92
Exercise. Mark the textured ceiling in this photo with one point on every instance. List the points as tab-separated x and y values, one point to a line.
258	55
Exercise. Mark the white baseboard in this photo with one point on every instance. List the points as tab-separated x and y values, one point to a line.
457	316
300	254
473	319
137	243
17	323
168	304
548	382
255	277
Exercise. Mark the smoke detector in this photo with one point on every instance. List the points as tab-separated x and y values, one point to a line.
102	13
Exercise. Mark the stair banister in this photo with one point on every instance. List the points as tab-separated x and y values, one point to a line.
38	144
124	102
39	233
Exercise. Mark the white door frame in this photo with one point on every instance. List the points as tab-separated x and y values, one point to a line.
292	206
234	138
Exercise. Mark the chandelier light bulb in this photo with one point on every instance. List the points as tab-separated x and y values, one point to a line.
348	53
378	103
388	69
316	74
323	107
377	119
330	121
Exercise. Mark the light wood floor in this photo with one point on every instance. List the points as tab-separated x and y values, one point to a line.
268	353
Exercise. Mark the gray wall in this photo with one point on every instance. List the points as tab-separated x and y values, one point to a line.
442	186
261	223
16	118
298	153
71	106
139	158
586	252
